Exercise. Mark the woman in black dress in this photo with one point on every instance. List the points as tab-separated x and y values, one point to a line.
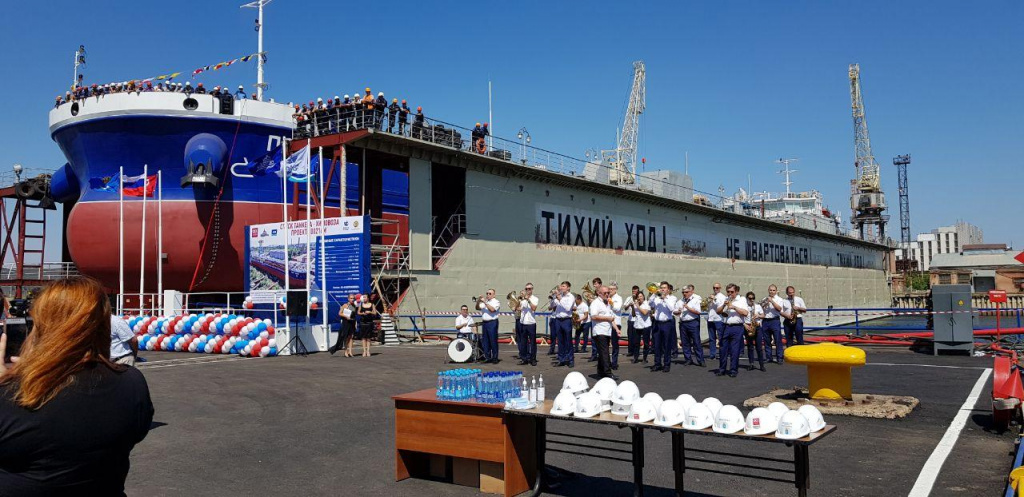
367	314
348	327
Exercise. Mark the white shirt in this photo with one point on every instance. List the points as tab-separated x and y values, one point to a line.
713	316
643	322
526	305
487	314
690	308
465	322
732	315
583	312
631	305
563	306
770	312
797	302
663	307
758	311
616	306
120	335
601	328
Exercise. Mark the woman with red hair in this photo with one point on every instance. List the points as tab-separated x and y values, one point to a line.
69	416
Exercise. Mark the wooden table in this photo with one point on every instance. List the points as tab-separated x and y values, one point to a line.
471	430
799	475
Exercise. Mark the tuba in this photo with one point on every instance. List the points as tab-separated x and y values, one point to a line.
588	293
652	287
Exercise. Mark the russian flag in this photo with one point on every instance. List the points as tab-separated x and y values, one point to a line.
138	186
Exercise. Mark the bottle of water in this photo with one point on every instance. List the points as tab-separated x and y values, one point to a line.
440	386
533	389
540	389
524	389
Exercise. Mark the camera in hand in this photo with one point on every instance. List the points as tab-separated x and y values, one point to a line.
17	330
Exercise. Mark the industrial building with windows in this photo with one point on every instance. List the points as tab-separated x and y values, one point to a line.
943	240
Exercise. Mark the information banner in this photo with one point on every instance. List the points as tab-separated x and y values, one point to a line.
345	255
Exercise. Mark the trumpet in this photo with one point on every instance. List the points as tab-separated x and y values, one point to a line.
765	302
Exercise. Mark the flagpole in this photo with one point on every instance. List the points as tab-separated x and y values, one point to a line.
308	229
160	239
120	241
323	234
142	250
284	210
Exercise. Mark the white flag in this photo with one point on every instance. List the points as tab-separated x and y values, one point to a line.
297	166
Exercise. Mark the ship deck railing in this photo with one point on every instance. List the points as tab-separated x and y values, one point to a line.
339	120
47	272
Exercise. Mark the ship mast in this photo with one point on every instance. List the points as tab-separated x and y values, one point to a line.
787	171
260	59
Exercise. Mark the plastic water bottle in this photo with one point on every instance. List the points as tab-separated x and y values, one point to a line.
533	389
440	386
524	390
540	389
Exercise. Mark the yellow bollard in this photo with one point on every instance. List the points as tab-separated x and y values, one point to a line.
828	368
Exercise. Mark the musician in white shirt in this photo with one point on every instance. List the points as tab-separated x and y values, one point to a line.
464	324
528	327
688	311
752	332
562	303
604	325
642	324
715	324
795	323
663	304
777	309
615	304
582	318
733	311
629	308
489	306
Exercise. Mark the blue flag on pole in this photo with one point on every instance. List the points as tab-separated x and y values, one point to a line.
269	163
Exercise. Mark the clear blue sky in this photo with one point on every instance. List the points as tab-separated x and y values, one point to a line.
736	84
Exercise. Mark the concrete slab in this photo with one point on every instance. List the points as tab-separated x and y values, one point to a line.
323	425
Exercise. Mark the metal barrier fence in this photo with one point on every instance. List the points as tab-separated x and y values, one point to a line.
339	119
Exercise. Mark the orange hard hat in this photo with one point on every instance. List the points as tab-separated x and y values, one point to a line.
419	108
403	101
478	124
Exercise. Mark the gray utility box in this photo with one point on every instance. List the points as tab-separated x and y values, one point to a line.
953	318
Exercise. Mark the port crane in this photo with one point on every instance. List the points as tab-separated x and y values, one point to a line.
622	159
867	200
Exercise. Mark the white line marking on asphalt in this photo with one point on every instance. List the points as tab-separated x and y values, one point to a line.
979	368
930	471
158	365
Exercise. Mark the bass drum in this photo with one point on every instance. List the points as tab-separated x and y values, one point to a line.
460	350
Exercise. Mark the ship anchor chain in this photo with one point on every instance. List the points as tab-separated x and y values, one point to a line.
216	243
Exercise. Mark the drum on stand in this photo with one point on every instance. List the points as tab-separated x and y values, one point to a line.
460	350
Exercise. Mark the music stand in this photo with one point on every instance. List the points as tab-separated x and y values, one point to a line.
295	306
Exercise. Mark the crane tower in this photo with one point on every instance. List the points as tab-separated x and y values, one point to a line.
866	197
622	159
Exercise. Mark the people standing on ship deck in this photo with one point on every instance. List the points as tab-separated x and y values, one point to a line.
689	327
418	123
240	93
392	115
733	310
477	134
488	304
403	117
366	120
663	304
771	327
715	324
380	108
561	305
795	324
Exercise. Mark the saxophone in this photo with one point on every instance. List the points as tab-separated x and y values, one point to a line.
750	329
795	313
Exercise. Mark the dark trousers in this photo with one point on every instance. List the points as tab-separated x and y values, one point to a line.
794	333
693	349
715	329
518	332
754	344
601	345
564	327
732	344
489	340
771	329
552	336
529	342
615	348
662	349
632	342
644	335
674	341
583	331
